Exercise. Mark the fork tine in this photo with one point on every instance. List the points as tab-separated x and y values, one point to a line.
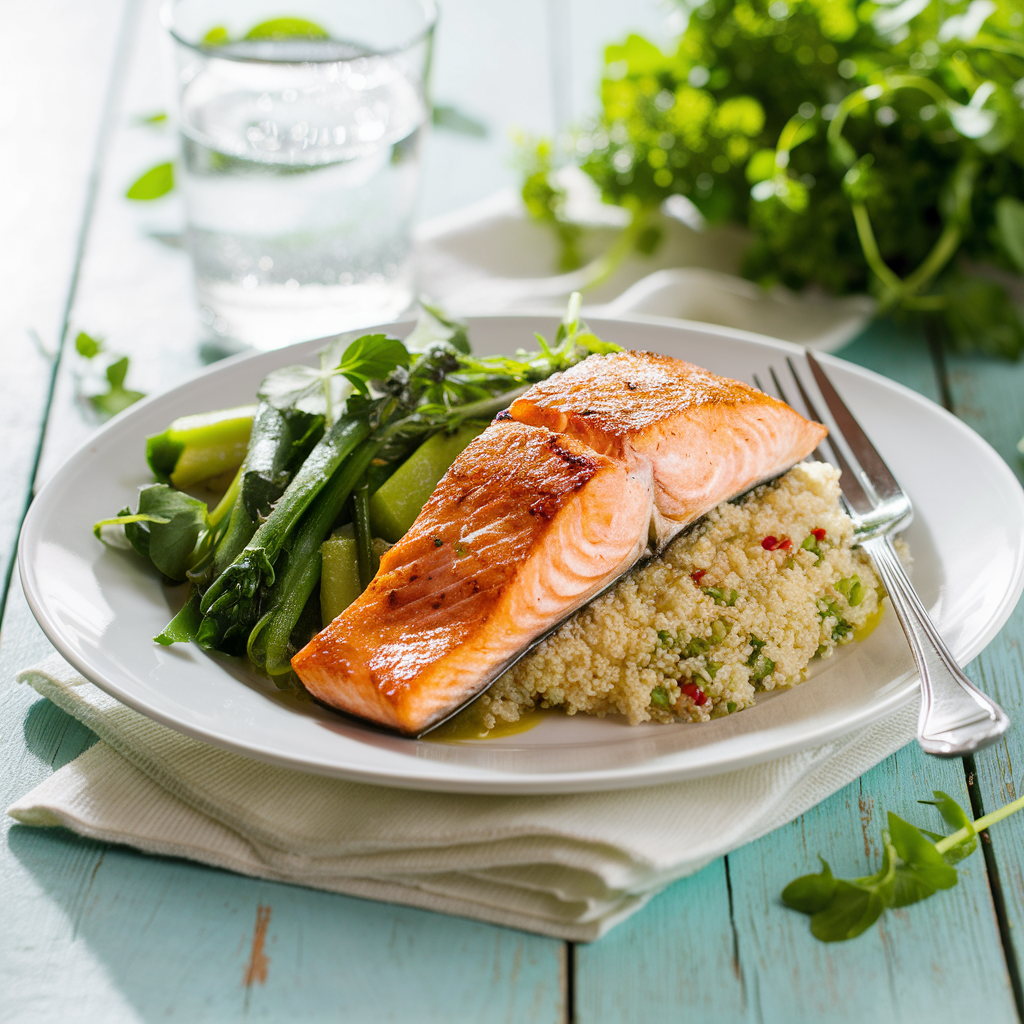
851	485
863	450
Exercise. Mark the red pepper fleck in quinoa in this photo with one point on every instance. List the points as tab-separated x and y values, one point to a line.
695	693
697	575
818	533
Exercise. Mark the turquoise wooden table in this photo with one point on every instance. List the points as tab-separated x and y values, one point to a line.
99	933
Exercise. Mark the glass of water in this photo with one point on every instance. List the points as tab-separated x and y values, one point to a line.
300	142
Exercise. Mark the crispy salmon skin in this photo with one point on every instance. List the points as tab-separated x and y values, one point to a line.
706	438
525	527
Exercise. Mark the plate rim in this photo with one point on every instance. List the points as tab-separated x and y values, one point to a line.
477	779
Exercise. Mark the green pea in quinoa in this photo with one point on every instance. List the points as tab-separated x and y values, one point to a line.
739	603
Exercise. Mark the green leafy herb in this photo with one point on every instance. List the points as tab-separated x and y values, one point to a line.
117	397
165	528
721	596
87	346
156	182
867	147
730	706
916	863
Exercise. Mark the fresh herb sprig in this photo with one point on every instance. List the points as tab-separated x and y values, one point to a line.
114	397
916	863
868	147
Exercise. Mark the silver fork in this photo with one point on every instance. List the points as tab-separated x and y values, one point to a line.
956	718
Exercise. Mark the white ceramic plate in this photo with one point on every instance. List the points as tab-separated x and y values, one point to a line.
100	607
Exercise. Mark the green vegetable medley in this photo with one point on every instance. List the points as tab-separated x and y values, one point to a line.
317	454
869	146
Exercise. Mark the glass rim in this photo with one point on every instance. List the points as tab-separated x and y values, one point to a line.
429	7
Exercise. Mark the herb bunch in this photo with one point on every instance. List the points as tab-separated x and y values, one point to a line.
869	146
916	863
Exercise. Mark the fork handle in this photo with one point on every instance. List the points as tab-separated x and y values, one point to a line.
956	718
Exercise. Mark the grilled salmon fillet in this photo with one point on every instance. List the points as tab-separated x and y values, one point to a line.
551	503
526	526
705	438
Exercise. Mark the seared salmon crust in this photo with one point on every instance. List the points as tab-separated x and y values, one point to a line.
545	508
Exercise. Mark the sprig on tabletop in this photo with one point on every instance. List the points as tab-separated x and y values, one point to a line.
916	863
115	397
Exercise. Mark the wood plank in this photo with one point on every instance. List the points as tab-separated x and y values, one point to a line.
987	395
51	91
688	957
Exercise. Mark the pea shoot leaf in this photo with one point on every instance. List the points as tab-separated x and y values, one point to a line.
914	867
156	182
165	529
88	346
117	397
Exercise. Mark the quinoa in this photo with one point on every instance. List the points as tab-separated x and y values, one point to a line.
739	603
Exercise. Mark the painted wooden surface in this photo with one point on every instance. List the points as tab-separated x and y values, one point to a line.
97	933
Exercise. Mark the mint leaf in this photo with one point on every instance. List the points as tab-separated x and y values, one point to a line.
87	346
371	357
156	182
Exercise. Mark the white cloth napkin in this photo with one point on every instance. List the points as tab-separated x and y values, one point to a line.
566	866
490	257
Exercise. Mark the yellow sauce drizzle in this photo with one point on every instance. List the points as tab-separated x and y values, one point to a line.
863	632
466	725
